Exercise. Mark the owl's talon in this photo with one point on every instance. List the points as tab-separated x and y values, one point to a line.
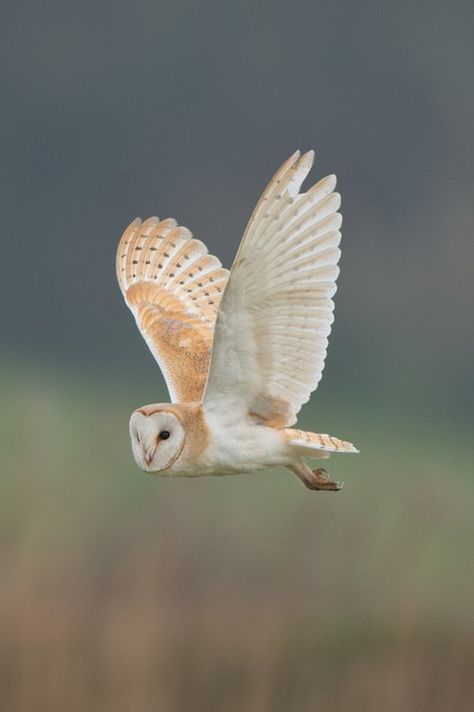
320	481
316	479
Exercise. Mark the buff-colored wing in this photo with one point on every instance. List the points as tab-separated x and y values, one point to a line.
276	313
173	287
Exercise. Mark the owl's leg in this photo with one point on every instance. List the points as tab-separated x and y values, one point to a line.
314	479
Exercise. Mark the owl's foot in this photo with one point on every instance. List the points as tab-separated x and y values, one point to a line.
320	481
315	479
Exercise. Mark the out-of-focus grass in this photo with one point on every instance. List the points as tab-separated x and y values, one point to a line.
120	591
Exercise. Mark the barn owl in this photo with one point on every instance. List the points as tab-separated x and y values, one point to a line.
240	350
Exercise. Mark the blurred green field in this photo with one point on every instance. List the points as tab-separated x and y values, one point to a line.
120	591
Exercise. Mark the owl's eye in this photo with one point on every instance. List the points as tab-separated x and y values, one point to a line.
164	435
138	438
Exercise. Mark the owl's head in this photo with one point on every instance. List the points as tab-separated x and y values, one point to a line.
157	436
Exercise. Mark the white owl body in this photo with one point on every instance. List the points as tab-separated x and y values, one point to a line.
210	445
242	445
241	351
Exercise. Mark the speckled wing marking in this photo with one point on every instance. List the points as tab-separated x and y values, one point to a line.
173	287
277	309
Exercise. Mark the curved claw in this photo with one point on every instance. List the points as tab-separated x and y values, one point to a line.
316	479
322	481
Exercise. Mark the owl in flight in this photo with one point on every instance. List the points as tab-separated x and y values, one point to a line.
240	350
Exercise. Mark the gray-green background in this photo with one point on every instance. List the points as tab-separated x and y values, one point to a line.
123	592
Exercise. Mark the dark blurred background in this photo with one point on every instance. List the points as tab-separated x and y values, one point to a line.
119	591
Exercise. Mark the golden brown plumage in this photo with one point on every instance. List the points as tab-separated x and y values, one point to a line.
173	287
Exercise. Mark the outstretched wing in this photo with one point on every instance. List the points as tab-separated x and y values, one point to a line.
275	316
173	287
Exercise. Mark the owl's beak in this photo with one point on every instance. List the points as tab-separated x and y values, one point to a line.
149	458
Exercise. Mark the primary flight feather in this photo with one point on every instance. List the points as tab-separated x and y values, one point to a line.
241	351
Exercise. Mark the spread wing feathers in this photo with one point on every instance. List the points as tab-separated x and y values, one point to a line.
173	287
276	313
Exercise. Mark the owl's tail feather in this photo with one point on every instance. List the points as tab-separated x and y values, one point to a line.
316	444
